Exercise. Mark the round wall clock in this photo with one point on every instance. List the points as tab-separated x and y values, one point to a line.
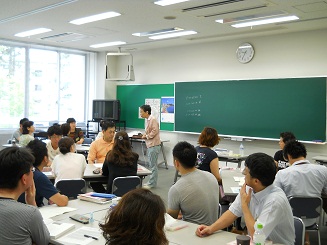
245	53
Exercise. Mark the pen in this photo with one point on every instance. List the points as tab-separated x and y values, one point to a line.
91	237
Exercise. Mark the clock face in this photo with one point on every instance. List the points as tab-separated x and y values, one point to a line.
245	53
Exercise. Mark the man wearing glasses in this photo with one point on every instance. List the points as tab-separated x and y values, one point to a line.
19	223
54	134
259	201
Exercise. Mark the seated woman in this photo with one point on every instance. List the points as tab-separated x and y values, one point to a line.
75	133
138	218
68	164
121	160
207	158
27	136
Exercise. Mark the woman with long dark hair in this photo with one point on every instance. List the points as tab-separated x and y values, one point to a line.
138	219
121	161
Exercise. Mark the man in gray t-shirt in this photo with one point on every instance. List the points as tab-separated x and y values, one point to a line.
20	223
196	193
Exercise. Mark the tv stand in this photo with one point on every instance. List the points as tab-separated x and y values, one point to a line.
118	123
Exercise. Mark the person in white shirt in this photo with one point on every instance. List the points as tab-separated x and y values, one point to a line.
54	134
259	201
302	178
28	132
18	132
68	164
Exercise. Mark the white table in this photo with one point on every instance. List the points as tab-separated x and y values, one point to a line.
320	159
142	141
185	236
90	176
227	176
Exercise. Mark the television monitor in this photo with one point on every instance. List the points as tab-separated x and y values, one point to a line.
106	109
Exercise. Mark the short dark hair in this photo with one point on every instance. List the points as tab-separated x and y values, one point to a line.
65	127
186	154
55	129
262	167
138	218
65	144
14	163
108	124
23	120
70	120
39	151
209	137
295	149
27	125
287	136
146	108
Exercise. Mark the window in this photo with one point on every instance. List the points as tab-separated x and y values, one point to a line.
42	84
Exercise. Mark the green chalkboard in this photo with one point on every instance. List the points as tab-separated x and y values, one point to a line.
254	108
133	96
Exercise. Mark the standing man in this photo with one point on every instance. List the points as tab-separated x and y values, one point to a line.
54	134
281	162
153	143
19	223
259	201
16	135
194	184
100	147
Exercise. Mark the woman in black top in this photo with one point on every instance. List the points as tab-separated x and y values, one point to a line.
207	159
121	161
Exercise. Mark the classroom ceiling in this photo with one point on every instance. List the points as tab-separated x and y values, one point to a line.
145	16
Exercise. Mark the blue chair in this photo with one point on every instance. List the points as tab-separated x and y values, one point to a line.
308	208
71	187
299	231
122	185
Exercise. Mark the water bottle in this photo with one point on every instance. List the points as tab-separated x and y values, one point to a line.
241	150
91	220
258	236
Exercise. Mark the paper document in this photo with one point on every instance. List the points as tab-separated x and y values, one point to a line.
172	224
130	134
50	211
57	229
236	189
79	236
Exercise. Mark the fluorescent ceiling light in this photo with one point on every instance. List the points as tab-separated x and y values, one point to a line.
169	2
151	33
93	18
175	34
266	21
101	45
32	32
221	21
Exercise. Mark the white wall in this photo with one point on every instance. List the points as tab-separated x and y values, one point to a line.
278	56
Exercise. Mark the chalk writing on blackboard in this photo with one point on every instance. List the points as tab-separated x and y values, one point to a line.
192	105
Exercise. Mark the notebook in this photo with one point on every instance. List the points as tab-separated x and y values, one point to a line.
57	229
96	199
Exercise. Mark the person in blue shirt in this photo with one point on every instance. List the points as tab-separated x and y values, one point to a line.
44	187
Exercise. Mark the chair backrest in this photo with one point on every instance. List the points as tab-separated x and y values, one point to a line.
299	231
71	187
87	141
306	207
122	185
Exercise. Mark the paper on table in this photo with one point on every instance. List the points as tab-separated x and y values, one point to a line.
98	165
172	224
77	237
52	210
236	189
